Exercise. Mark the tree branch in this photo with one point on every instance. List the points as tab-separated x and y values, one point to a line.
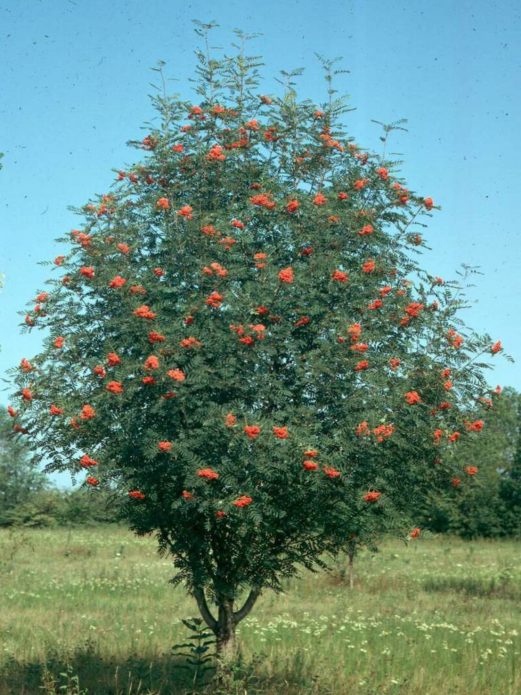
208	618
248	605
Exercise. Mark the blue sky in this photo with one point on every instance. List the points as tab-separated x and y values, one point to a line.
74	80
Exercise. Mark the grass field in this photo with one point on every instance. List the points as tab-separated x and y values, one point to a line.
91	611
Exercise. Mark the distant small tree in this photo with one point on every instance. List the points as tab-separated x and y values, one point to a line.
20	478
365	535
243	343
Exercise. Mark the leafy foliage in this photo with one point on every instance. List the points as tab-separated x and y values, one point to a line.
196	650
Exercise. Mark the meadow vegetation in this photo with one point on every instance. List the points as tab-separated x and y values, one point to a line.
91	611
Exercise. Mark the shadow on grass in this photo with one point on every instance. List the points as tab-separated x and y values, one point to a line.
86	672
496	587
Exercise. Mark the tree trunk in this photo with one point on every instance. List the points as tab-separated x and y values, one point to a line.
351	552
225	632
351	571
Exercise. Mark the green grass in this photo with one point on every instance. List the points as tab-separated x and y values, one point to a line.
437	617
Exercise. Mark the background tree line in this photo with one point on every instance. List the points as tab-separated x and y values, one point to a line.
28	498
487	504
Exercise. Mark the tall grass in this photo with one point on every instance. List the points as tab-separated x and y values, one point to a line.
91	611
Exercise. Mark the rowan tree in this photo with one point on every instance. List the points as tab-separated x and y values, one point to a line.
240	340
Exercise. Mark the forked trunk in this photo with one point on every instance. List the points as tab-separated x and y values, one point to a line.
227	620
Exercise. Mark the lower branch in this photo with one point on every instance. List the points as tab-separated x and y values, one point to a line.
248	605
208	618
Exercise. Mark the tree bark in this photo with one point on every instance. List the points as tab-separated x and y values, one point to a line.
351	572
351	559
248	605
226	625
228	621
204	610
